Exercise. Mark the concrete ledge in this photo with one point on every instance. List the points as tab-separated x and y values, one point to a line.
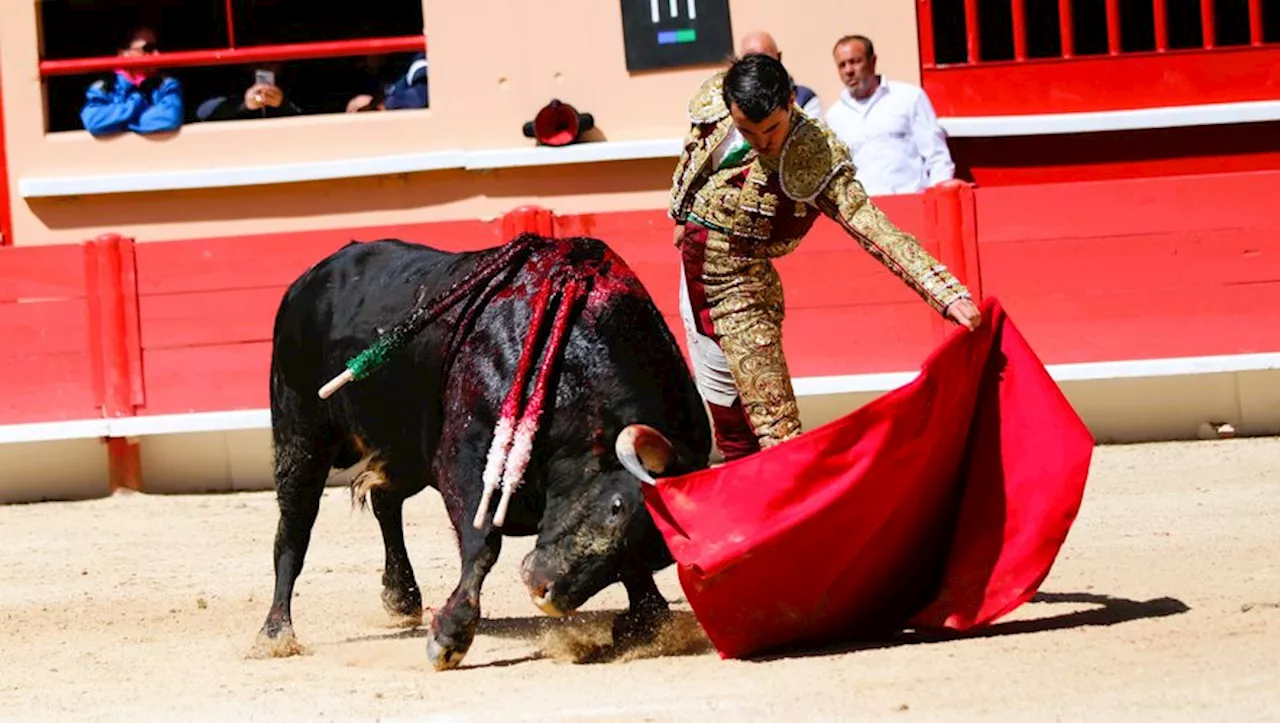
603	151
475	160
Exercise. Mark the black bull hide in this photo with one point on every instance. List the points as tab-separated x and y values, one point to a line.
428	415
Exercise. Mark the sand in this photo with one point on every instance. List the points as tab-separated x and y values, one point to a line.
1164	605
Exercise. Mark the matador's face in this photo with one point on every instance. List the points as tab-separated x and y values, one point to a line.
767	135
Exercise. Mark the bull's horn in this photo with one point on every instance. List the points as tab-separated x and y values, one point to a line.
643	451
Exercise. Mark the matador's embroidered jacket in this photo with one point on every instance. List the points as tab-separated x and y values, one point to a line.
756	209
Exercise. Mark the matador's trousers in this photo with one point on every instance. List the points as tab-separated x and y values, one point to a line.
732	313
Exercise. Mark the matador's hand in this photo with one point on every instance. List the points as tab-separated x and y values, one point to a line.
965	313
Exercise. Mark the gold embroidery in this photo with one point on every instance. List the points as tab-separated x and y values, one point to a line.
754	219
749	222
810	157
769	204
707	105
760	373
846	202
747	309
692	165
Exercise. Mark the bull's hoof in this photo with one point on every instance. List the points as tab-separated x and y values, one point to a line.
404	609
284	644
639	626
444	657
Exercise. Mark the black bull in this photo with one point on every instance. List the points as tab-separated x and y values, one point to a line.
428	415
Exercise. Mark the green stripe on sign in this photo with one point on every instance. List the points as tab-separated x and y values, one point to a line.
688	35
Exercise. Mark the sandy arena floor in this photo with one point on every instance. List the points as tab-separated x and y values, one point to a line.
1165	605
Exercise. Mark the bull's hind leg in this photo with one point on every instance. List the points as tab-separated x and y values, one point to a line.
301	465
400	594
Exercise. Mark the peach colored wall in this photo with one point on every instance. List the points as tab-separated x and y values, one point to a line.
487	78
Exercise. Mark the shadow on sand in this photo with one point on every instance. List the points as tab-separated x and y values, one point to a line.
1109	611
586	638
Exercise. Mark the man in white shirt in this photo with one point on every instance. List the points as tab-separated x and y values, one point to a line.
890	127
762	42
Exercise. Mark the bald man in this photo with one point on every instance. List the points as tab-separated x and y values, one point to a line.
762	42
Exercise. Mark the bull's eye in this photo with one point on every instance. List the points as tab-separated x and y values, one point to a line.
615	509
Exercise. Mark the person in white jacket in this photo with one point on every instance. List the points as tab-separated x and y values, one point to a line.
890	127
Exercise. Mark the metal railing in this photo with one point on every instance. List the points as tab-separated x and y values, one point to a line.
232	55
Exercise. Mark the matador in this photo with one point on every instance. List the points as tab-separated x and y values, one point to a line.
753	176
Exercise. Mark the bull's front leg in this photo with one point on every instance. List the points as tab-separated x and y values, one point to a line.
647	611
453	627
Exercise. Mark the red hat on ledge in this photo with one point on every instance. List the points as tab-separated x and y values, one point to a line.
558	124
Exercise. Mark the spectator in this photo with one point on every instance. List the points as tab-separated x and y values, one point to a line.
762	42
263	99
408	91
890	126
142	100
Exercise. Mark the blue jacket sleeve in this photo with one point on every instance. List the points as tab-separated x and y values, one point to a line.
103	114
165	113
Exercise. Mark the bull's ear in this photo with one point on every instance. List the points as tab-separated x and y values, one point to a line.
643	451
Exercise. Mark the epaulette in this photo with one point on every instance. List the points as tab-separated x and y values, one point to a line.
810	157
707	105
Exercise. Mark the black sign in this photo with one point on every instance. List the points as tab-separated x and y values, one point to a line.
676	33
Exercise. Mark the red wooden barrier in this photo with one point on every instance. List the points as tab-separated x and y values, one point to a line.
1185	266
47	360
1095	271
207	307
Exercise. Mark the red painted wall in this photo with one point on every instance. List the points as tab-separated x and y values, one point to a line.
1103	82
1111	270
1151	153
1143	268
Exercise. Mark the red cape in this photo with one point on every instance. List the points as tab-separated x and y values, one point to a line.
941	504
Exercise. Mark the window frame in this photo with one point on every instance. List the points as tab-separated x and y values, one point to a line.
1023	85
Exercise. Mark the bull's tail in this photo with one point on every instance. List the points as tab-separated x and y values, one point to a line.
367	361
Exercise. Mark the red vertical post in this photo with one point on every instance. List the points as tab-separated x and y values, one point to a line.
1019	9
117	399
1113	27
131	321
1255	22
1208	34
231	23
6	219
924	21
1160	12
955	230
117	373
972	36
1066	28
528	219
949	208
124	464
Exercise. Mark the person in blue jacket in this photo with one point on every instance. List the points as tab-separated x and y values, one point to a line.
142	100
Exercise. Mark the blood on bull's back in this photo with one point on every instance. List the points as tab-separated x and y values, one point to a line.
510	401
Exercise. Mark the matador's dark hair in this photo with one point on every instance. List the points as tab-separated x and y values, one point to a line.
759	85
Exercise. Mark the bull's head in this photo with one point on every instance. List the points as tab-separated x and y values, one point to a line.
593	533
